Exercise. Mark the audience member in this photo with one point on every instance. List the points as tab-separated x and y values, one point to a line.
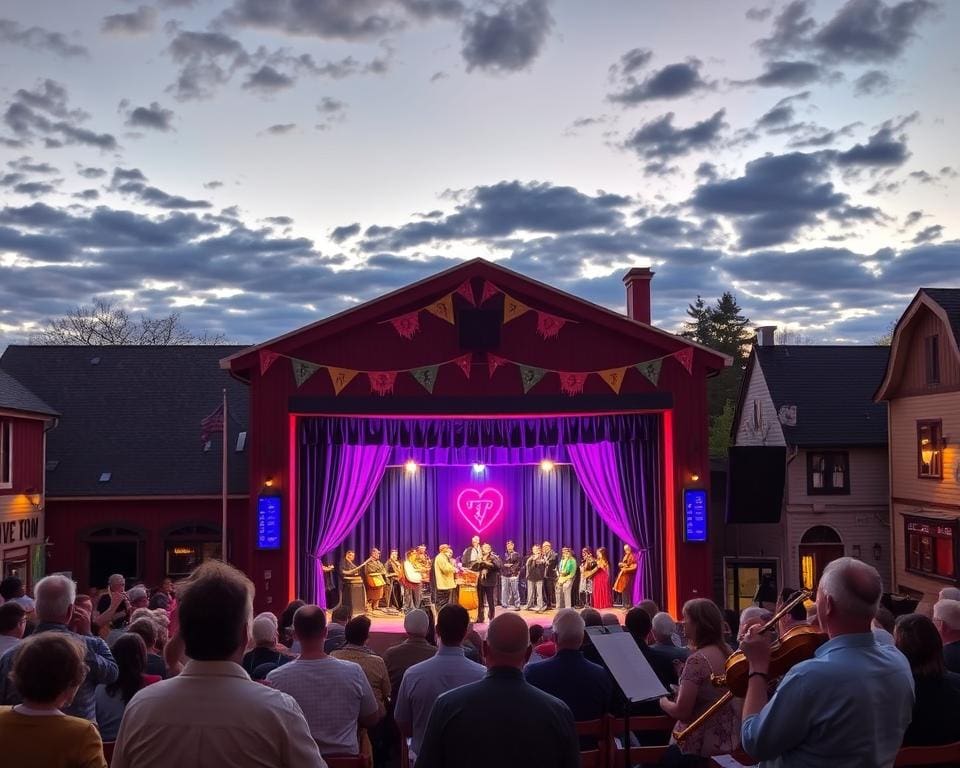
542	649
751	616
664	628
47	671
285	623
146	628
610	620
532	727
946	616
138	597
339	617
882	626
130	653
949	593
13	591
334	695
936	689
211	713
13	620
267	654
473	645
851	703
424	682
639	625
591	618
731	628
796	616
56	611
649	606
113	607
414	649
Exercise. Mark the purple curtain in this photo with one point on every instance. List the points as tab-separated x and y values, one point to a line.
337	484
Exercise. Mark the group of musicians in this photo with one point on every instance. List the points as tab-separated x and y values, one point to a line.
473	580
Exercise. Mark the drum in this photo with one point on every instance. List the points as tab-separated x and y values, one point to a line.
467	592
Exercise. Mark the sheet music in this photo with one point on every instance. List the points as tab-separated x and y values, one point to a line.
628	666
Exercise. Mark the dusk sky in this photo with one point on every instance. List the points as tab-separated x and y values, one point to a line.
259	164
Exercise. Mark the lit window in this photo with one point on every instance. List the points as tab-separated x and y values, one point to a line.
929	449
828	473
931	546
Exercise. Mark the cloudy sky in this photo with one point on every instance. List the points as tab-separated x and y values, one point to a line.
257	164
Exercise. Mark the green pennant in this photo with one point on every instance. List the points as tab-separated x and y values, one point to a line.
303	370
530	376
651	369
427	376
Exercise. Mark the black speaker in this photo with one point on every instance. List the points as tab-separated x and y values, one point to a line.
755	481
479	329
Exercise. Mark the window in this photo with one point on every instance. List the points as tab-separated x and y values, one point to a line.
931	547
757	415
828	473
190	545
749	579
931	346
6	454
930	449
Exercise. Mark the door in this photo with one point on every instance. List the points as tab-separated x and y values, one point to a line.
819	545
108	557
745	580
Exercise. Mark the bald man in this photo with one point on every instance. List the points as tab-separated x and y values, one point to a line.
511	717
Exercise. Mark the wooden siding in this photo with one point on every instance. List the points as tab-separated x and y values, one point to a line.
869	482
904	413
27	456
930	587
910	371
771	433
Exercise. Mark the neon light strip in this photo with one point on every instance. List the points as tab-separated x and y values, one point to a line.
292	513
670	517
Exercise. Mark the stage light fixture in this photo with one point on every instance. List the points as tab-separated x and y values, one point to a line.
411	466
695	477
478	468
546	465
268	483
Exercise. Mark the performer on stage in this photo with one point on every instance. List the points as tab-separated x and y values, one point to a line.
444	574
329	582
489	568
628	571
510	579
588	567
425	566
375	578
472	552
566	572
601	581
351	582
394	576
550	560
535	566
412	580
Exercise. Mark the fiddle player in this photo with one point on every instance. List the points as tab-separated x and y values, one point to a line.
489	567
850	704
375	576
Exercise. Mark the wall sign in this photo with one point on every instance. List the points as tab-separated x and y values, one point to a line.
694	514
269	509
20	531
480	507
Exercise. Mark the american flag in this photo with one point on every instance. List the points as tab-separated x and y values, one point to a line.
211	424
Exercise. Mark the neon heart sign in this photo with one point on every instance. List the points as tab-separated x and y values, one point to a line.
480	507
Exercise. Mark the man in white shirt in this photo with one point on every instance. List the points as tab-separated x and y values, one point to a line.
334	695
424	682
13	620
212	713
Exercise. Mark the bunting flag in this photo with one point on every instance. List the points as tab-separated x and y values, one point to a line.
382	382
464	363
548	326
407	325
571	382
489	290
340	377
685	358
442	308
613	377
303	370
530	376
267	358
426	376
651	369
512	309
466	290
494	362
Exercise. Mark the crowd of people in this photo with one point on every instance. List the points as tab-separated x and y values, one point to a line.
168	677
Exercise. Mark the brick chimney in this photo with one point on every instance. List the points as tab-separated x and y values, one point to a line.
765	334
637	281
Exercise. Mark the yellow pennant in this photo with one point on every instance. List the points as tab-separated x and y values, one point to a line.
512	309
613	377
442	308
340	377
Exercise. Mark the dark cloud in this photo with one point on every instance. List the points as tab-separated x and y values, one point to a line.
659	139
791	29
883	149
782	116
280	221
27	165
339	234
35	188
872	83
671	82
437	76
154	117
139	22
928	234
758	14
44	113
631	62
207	60
329	106
268	80
508	40
789	74
132	182
89	172
39	39
87	194
278	129
912	218
364	20
213	184
812	136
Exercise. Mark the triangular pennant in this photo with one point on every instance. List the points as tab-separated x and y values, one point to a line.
548	326
340	377
512	309
427	376
443	308
489	289
303	370
464	363
613	377
382	382
651	369
494	362
530	376
267	358
407	325
571	382
685	358
466	290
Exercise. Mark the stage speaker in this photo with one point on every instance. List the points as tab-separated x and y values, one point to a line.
755	480
766	591
479	329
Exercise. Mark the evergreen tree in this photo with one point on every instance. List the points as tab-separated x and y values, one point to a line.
697	328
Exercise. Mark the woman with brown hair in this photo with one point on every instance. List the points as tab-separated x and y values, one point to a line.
47	670
703	628
602	597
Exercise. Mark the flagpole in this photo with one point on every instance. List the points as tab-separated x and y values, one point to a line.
223	484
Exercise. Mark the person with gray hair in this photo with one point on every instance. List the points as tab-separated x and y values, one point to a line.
851	703
113	607
663	630
946	617
949	593
413	650
267	653
54	596
508	714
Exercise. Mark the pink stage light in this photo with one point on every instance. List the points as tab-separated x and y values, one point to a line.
480	507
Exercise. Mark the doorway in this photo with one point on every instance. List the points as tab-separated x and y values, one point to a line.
745	578
113	550
819	545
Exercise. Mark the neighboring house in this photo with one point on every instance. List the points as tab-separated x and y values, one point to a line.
24	421
817	403
922	391
130	487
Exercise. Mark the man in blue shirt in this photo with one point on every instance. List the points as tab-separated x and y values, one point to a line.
849	705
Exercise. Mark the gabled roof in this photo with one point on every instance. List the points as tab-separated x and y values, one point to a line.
830	386
134	412
16	397
949	301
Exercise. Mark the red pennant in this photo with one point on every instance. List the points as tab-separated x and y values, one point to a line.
489	289
464	362
685	358
494	362
571	382
407	325
466	290
548	326
267	358
382	382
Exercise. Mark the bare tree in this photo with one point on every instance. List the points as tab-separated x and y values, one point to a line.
106	323
887	338
787	337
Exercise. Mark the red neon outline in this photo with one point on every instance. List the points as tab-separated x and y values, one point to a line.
292	513
670	516
474	416
480	493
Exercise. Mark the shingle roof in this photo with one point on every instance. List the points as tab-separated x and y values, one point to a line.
949	300
16	397
832	388
135	412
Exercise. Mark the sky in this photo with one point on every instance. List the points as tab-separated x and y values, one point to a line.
256	165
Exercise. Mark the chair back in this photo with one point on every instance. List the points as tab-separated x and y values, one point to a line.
624	756
108	750
948	754
597	756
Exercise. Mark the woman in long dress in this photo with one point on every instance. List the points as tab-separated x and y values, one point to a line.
602	597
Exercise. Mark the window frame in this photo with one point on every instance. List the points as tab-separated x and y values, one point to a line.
932	523
757	414
937	439
6	453
829	468
931	358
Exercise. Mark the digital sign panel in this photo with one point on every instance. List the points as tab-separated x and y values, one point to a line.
269	509
694	514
